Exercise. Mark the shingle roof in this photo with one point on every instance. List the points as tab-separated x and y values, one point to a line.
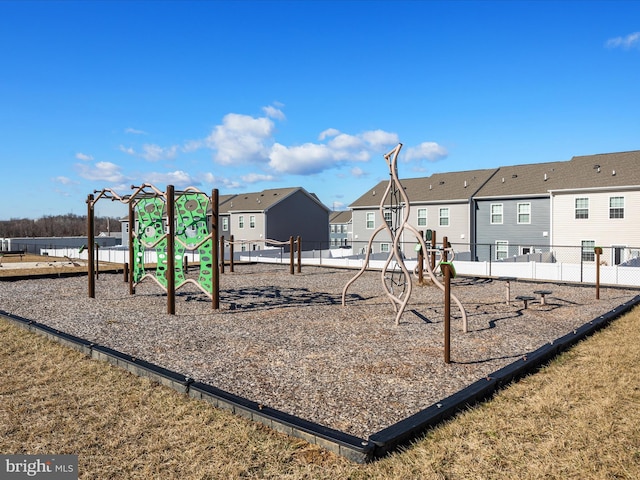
340	217
530	180
620	169
439	187
259	201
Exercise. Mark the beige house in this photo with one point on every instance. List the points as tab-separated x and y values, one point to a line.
595	206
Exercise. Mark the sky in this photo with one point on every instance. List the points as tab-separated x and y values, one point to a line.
244	96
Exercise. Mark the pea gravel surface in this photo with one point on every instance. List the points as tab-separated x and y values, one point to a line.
287	342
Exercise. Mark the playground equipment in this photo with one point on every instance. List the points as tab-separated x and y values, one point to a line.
397	282
171	223
231	242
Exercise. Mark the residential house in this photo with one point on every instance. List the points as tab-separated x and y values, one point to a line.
441	202
340	228
513	211
274	214
596	205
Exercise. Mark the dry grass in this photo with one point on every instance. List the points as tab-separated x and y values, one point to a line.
577	418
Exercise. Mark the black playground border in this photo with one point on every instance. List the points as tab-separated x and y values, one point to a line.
357	449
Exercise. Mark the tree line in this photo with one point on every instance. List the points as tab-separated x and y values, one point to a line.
69	225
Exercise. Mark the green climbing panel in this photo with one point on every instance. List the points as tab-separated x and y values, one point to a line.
192	233
150	233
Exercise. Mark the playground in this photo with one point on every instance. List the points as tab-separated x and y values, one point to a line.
286	341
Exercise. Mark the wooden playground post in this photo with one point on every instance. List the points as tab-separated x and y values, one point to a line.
222	254
231	253
598	252
433	250
171	259
420	261
132	260
215	271
299	242
90	247
291	255
447	302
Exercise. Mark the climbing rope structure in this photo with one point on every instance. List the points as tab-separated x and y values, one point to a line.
396	279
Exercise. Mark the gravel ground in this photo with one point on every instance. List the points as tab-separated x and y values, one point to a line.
287	342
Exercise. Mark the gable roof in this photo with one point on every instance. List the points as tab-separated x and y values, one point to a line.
261	201
607	170
340	217
530	180
439	187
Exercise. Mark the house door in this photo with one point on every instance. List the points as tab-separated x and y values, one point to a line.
618	254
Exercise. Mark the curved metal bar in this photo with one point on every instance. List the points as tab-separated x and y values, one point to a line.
364	264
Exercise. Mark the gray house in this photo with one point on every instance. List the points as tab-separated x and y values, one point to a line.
441	202
513	211
274	214
340	227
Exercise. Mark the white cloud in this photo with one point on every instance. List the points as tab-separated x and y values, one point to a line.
303	159
358	172
64	180
273	112
104	171
241	139
83	156
379	139
151	152
341	148
329	132
257	177
210	178
627	42
134	131
177	178
425	151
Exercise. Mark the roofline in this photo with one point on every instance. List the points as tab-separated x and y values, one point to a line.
595	189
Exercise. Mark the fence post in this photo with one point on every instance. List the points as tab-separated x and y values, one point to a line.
447	302
299	242
291	255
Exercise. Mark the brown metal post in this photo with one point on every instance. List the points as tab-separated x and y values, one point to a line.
420	261
231	254
215	271
97	261
291	255
222	254
598	251
90	247
433	250
171	258
132	259
447	304
299	242
125	272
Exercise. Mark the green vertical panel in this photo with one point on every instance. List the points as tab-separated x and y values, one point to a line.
192	229
150	230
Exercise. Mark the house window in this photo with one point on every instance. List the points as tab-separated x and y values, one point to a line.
616	207
502	249
344	229
496	213
333	229
588	255
444	217
241	221
422	217
225	223
387	218
371	223
524	212
582	208
384	247
252	221
526	250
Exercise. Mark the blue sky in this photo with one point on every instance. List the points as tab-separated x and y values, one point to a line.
247	95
